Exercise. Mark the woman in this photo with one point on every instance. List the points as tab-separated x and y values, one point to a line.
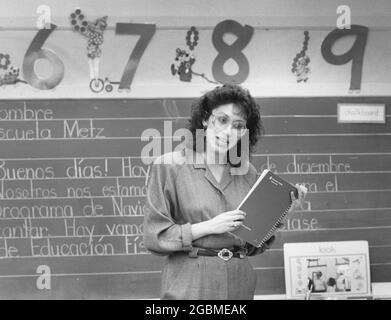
191	204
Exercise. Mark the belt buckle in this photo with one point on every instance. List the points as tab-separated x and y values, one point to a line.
225	254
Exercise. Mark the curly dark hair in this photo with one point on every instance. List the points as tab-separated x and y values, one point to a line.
202	108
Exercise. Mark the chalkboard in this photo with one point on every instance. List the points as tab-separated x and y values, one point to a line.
72	191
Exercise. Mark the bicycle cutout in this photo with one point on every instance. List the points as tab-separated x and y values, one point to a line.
97	85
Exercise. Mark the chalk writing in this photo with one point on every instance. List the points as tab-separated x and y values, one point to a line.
24	172
48	248
300	224
319	167
81	169
73	129
25	113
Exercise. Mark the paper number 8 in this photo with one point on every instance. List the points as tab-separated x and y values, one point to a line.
34	53
234	51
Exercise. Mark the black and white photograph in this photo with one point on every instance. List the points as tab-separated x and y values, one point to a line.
195	150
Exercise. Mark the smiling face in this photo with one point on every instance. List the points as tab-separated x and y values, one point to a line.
225	127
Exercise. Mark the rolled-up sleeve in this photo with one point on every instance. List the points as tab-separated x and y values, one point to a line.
164	232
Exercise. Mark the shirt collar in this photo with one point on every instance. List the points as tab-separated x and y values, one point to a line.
195	158
199	162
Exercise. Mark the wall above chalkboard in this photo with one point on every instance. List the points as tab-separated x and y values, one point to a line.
144	60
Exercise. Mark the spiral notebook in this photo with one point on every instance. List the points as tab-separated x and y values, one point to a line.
266	204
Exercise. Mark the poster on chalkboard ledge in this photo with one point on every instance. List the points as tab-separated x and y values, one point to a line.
327	270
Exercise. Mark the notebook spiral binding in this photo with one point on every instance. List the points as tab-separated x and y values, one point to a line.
273	229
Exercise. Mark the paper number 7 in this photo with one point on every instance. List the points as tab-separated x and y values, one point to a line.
146	32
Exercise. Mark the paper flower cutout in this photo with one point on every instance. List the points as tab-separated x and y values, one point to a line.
182	65
192	43
10	75
4	61
184	60
300	63
91	30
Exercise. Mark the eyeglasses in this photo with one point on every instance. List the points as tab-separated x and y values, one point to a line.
222	122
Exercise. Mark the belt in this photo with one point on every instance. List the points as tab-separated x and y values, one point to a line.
224	253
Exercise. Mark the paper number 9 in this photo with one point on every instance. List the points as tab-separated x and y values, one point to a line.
354	54
146	32
34	53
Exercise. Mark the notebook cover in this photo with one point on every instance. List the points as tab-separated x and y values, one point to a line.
265	206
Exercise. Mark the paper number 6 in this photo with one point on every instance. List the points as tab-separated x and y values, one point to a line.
34	53
146	32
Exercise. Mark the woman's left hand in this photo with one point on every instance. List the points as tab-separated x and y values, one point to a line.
297	203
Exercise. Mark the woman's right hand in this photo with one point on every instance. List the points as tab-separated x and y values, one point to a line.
226	222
